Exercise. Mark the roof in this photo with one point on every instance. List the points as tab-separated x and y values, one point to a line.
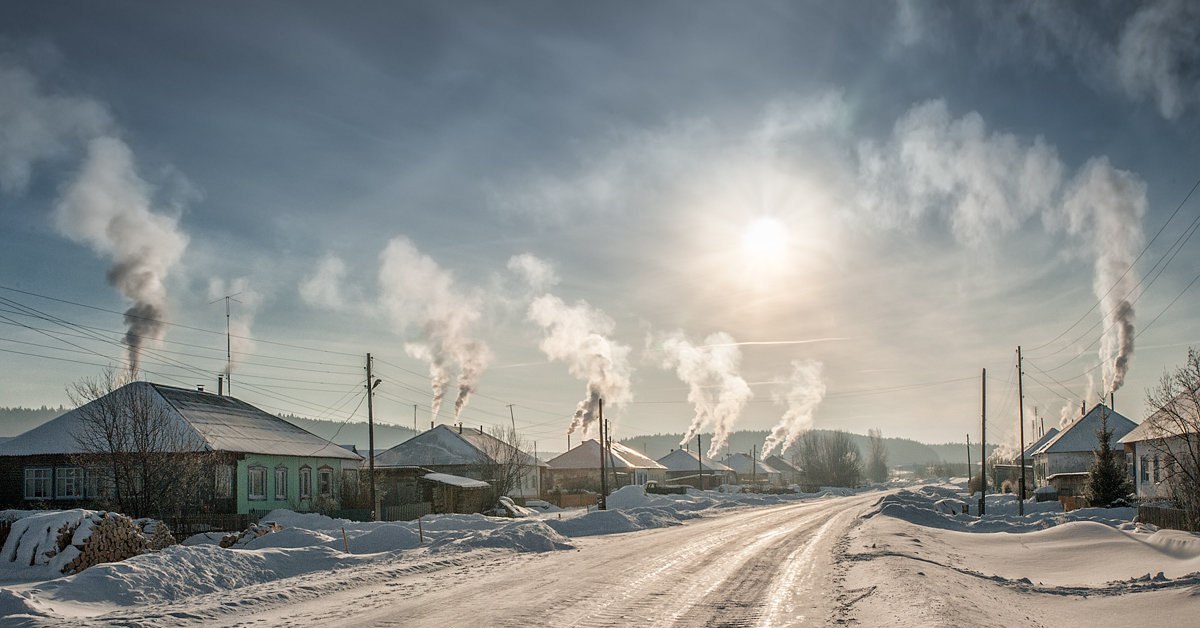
684	460
446	446
1067	474
455	480
744	465
781	465
1080	436
217	423
1037	444
1162	423
586	455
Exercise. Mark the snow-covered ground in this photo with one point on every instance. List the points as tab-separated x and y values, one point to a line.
913	563
876	558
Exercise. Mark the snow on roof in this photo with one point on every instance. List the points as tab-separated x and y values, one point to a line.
586	455
1037	444
779	464
1163	422
455	480
1080	436
684	460
743	464
220	423
444	445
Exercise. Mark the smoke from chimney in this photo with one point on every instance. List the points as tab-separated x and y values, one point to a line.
716	390
805	391
578	335
107	206
419	293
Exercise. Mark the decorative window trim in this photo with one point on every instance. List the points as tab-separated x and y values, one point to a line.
306	482
261	494
325	481
39	477
281	483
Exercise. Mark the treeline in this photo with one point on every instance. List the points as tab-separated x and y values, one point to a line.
15	421
386	435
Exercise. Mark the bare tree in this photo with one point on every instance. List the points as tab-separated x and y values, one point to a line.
877	469
1175	426
141	461
503	460
829	459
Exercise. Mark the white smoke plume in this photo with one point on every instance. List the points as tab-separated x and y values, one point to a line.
805	391
243	308
537	273
1104	206
326	286
108	207
717	391
417	292
579	336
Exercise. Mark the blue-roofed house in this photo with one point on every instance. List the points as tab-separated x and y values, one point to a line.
257	461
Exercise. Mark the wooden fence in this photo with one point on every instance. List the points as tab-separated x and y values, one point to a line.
1170	518
186	525
407	512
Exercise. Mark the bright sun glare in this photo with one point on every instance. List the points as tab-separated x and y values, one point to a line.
765	239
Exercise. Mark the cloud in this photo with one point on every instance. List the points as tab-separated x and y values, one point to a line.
1158	55
326	286
537	273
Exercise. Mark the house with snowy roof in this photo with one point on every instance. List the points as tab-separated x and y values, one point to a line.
752	471
257	461
1166	439
466	452
1063	461
685	467
579	468
788	473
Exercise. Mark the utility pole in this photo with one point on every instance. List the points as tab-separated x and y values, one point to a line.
1021	425
754	465
415	418
371	384
603	472
983	442
228	344
969	474
700	459
513	417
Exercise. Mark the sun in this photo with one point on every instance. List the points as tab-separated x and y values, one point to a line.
765	239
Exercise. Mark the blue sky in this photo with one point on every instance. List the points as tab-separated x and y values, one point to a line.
888	197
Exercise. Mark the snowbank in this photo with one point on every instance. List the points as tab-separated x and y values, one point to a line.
940	507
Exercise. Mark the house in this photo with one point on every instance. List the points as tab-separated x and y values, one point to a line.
579	468
1063	461
684	467
788	473
467	452
751	471
1039	473
260	462
1161	440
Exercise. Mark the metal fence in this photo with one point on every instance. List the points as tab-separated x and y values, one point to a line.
1170	518
407	512
187	525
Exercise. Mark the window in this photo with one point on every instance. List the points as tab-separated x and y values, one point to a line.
68	483
100	482
305	482
256	484
1157	468
1145	468
350	482
281	483
37	483
224	482
325	481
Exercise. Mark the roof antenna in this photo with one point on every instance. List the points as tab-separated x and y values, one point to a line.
228	345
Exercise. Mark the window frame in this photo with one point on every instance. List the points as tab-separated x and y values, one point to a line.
306	482
251	472
72	475
325	481
281	483
34	474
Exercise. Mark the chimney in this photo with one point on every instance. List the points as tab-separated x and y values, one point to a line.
431	425
220	385
480	429
199	387
460	428
1112	400
1082	407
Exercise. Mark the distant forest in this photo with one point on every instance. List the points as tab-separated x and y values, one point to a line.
901	451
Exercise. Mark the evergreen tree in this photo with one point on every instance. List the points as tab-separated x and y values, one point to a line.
1107	480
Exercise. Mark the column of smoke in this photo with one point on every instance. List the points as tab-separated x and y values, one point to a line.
717	391
578	336
805	391
242	313
1106	205
108	207
419	293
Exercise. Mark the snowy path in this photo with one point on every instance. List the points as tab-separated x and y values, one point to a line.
763	566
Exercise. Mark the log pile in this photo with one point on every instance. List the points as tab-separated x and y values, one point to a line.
253	532
104	537
156	533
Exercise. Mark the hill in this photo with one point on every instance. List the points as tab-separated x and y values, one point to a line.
14	421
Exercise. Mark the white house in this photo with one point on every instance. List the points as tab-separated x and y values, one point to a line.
1064	460
1154	443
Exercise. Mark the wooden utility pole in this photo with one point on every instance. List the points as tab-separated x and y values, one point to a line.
371	384
969	474
415	418
1021	425
603	471
700	460
754	464
983	443
513	417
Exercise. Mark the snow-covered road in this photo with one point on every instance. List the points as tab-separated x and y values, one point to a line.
758	567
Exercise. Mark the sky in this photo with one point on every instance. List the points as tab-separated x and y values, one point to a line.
714	216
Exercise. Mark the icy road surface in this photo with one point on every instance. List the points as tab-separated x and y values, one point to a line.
764	566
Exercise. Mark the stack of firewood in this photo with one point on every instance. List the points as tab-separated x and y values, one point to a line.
253	532
156	533
107	537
